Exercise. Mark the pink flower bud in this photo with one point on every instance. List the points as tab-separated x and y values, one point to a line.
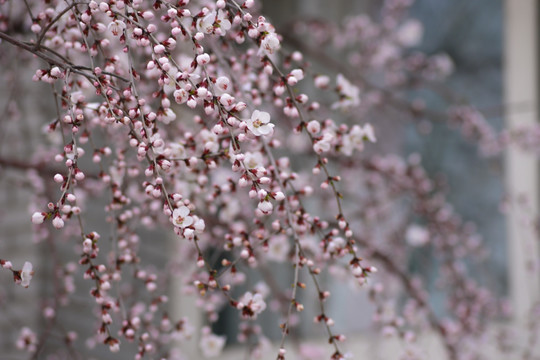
203	59
266	207
38	218
58	222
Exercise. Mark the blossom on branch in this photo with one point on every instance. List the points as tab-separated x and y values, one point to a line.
251	305
259	123
181	218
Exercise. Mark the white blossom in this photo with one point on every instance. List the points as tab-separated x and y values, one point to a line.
278	248
211	345
26	274
251	305
259	124
38	217
269	44
349	94
266	207
253	160
354	140
116	27
206	23
181	218
27	340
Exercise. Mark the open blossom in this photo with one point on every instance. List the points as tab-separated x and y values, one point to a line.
27	340
211	345
181	217
222	23
356	137
324	144
259	124
206	24
178	151
26	274
278	248
251	305
369	133
269	44
116	27
214	23
349	94
210	140
253	160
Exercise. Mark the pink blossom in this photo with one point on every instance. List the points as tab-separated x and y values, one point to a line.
251	305
211	345
181	218
266	207
27	273
38	218
259	123
269	44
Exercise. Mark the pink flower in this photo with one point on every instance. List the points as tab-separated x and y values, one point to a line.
266	207
251	305
349	94
38	217
58	222
116	27
278	248
206	24
269	44
369	133
313	127
181	217
259	124
27	340
26	274
356	137
211	345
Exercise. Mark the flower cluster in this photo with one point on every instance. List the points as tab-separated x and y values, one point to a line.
213	155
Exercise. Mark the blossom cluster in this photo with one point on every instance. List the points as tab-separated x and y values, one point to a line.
192	121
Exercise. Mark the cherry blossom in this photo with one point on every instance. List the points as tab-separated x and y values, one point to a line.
356	137
278	248
27	340
259	123
349	93
154	120
251	305
269	44
26	274
38	218
181	218
210	344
